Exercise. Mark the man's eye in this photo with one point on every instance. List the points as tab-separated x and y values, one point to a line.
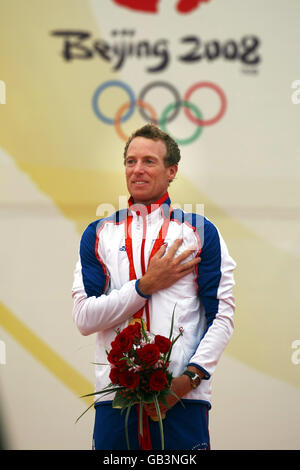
129	162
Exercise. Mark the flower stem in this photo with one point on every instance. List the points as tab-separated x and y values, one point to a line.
141	418
160	422
126	426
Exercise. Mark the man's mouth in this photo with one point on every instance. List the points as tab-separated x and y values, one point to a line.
139	182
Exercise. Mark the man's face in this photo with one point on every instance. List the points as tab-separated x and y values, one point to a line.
146	175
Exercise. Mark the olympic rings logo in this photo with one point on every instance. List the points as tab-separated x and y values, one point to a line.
171	111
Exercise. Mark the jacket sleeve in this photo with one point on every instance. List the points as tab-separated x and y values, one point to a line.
94	309
215	284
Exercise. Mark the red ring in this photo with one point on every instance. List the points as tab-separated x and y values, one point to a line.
222	96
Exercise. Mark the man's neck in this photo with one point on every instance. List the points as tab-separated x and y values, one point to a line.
156	201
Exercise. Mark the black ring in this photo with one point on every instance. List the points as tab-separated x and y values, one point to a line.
170	88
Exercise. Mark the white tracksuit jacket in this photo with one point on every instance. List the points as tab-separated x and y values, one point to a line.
105	298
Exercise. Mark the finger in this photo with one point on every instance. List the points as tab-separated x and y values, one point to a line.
188	266
163	409
160	253
153	413
174	247
185	254
183	270
150	408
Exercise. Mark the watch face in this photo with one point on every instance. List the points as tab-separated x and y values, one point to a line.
195	380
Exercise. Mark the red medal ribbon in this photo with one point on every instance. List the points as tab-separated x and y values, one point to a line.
145	439
128	244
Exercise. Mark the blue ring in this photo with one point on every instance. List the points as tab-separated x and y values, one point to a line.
103	87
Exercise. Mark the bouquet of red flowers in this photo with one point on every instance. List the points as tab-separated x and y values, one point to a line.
139	372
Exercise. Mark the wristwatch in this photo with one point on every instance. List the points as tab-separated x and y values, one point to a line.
194	378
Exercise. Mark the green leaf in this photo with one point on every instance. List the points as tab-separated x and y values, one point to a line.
144	331
100	363
173	342
174	394
141	418
104	390
130	362
161	429
163	401
147	397
119	401
172	323
84	412
126	426
178	336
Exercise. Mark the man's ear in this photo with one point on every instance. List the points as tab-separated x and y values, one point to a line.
172	171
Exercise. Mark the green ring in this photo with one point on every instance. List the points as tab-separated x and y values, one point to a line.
166	111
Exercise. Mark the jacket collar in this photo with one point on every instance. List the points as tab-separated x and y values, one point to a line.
140	209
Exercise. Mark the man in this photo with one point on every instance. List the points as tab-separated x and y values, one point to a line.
146	260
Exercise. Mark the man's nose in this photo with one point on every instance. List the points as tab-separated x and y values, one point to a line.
139	167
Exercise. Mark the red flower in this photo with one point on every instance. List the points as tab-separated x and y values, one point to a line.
149	353
114	375
134	330
158	380
114	357
123	341
129	379
163	343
